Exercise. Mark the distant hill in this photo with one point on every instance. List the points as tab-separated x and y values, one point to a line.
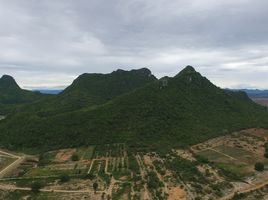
178	111
254	93
11	95
48	91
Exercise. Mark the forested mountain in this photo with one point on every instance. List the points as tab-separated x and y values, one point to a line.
177	111
12	96
92	89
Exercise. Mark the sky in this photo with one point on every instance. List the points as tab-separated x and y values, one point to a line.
47	44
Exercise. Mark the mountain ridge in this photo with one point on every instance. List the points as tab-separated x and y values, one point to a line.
12	97
180	111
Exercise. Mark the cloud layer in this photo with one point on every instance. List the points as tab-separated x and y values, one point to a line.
48	43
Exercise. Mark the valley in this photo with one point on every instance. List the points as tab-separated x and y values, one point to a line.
261	100
220	168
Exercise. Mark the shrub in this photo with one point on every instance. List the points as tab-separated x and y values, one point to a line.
36	186
75	157
64	178
259	166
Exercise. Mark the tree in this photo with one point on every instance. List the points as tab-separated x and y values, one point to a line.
266	150
36	186
43	160
95	186
266	154
64	178
259	166
75	157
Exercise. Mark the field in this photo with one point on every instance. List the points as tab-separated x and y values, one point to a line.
261	100
5	161
236	153
222	167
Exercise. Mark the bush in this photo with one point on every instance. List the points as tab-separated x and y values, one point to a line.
36	186
89	176
259	167
266	154
64	178
75	157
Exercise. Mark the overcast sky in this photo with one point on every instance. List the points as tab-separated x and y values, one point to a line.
48	43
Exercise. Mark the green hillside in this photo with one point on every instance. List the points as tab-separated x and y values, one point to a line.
13	97
178	111
93	89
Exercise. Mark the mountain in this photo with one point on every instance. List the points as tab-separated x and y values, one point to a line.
93	89
254	93
48	91
169	112
11	95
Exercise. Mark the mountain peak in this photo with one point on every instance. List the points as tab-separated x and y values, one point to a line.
188	69
141	71
7	81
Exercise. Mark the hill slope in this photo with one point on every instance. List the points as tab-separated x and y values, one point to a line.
93	89
177	111
11	95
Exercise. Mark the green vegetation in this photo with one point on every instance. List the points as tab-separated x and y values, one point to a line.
133	164
64	178
170	112
5	161
124	189
47	171
36	186
153	181
12	97
75	157
234	170
234	162
185	169
259	166
266	150
85	152
95	186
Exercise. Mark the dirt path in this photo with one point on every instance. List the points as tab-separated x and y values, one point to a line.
9	154
107	165
12	187
160	177
222	153
144	195
246	190
111	186
92	162
11	166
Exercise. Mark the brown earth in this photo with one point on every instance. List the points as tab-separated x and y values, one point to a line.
64	155
262	101
177	193
257	132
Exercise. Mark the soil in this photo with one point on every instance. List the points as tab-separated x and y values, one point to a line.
262	101
64	155
176	193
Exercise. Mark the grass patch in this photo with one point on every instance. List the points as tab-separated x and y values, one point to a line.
214	156
237	153
45	171
123	192
122	174
5	161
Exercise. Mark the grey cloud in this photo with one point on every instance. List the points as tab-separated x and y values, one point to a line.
55	41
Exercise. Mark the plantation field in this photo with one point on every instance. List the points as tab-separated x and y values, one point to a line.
49	171
237	153
220	166
5	161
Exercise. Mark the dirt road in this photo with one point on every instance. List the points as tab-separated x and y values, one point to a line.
246	190
13	165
